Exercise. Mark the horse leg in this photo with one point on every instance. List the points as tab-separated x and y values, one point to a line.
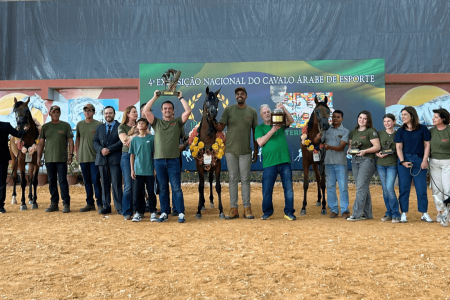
319	186
14	179
322	187
23	184
305	187
34	205
30	183
201	189
219	190
211	194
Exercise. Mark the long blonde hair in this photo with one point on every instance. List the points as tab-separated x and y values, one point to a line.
125	114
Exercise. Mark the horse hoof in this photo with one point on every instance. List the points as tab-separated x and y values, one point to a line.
303	212
30	202
13	200
203	208
222	215
324	212
318	203
198	216
34	206
23	207
211	205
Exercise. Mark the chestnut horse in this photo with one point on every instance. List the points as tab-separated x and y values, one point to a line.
207	135
24	118
318	122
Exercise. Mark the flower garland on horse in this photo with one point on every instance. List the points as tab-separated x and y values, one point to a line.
198	149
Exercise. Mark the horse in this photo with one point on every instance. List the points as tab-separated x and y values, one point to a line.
318	122
24	118
207	134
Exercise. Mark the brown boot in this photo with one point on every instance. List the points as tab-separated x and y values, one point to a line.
234	213
248	213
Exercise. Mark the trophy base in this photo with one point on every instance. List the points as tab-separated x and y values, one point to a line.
353	151
166	93
387	151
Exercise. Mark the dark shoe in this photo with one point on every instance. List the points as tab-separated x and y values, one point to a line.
99	209
290	217
345	215
248	213
87	208
127	218
266	217
234	213
105	210
66	208
53	207
2	210
163	218
333	215
174	213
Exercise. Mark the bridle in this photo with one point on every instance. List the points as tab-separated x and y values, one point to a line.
317	112
26	116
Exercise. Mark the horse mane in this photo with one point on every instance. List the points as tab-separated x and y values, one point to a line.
310	121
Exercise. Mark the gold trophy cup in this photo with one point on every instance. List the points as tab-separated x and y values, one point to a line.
170	82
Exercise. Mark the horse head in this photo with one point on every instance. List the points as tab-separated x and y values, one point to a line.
22	113
322	113
211	103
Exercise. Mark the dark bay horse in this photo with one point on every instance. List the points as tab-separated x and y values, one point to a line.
207	135
24	118
318	122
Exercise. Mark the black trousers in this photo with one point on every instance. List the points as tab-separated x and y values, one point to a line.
57	172
111	175
3	176
139	193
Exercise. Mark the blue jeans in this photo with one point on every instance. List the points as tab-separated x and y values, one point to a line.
127	198
269	177
57	172
363	169
387	178
420	183
91	177
337	173
168	170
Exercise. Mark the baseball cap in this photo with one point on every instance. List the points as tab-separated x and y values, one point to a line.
90	106
240	89
55	107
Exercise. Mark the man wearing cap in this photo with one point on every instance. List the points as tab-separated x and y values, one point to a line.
84	149
109	153
240	120
54	138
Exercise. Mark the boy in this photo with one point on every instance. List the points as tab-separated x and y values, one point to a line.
141	161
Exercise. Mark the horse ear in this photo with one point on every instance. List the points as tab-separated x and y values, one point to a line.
325	100
15	100
217	92
28	101
207	90
316	99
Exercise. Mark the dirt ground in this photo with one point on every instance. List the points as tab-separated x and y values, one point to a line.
86	256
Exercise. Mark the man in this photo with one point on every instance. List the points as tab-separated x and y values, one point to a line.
84	148
276	161
55	136
335	139
240	119
109	152
167	164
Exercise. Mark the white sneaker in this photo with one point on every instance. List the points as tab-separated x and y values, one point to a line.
439	218
403	218
425	217
137	217
153	217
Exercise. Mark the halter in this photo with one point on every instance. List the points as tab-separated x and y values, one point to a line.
317	113
27	113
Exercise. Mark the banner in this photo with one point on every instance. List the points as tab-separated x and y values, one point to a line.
351	86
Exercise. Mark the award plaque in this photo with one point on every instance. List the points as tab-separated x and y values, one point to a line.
170	83
387	148
355	148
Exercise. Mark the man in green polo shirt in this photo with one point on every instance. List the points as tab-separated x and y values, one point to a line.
276	160
55	136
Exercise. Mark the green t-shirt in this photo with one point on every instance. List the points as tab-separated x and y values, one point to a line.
56	144
86	131
440	143
391	159
276	150
143	149
124	128
239	122
167	138
364	138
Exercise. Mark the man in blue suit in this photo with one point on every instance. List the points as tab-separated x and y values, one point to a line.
109	152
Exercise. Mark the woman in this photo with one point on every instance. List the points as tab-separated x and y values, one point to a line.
387	169
128	122
412	142
440	159
365	138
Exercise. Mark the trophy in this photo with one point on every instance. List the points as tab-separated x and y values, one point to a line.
355	148
277	93
170	83
387	148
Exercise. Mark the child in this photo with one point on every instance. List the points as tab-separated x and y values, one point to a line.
141	161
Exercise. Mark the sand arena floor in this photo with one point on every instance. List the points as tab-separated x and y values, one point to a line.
85	256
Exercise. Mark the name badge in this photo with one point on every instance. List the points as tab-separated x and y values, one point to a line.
28	157
207	159
316	156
